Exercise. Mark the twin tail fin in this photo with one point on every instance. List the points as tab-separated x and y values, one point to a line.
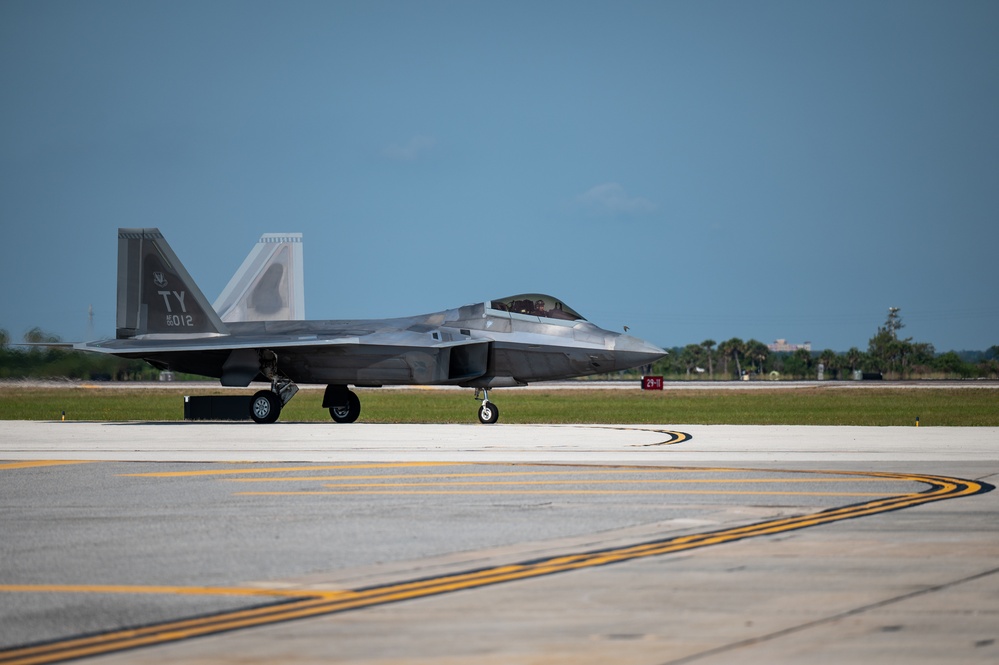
269	285
156	295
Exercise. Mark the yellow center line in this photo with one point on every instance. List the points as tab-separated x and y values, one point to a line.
612	492
37	463
283	469
580	475
602	481
578	469
170	590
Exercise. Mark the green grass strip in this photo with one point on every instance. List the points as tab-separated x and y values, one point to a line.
962	407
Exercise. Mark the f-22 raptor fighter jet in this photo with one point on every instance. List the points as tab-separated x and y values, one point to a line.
164	319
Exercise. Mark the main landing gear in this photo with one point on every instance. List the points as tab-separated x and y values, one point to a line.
488	412
343	404
266	405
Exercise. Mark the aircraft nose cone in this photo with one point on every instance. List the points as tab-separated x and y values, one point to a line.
636	351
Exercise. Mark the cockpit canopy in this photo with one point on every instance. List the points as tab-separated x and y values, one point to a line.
537	304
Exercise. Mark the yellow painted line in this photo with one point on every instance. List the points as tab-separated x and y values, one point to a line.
501	492
280	469
313	605
580	468
405	476
37	463
518	474
168	590
674	436
156	634
602	481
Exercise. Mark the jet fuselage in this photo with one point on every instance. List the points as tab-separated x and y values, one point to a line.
507	349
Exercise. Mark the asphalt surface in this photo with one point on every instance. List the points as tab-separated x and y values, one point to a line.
208	542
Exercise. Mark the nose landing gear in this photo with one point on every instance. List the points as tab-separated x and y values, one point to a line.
488	412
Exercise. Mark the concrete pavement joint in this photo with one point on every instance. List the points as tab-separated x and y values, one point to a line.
829	619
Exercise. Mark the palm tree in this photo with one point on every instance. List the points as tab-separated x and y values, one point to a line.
724	353
708	345
853	358
734	348
829	361
757	351
802	361
691	356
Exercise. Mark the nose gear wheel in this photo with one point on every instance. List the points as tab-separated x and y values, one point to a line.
488	412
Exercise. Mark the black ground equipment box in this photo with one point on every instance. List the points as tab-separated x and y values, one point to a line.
217	407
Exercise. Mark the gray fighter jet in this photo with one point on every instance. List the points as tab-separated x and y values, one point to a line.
164	319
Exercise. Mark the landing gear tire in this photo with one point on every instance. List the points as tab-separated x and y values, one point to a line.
265	407
488	413
349	412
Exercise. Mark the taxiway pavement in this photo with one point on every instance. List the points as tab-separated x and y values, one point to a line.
222	542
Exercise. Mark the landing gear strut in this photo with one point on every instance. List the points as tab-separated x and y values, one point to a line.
488	412
266	405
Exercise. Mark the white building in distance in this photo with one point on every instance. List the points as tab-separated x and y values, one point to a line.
782	345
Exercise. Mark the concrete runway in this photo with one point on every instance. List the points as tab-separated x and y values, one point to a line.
205	542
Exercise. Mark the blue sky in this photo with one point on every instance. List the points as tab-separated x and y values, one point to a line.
692	170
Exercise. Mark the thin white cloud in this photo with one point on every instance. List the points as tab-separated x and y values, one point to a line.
610	198
411	150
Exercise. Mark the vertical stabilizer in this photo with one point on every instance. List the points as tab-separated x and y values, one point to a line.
269	286
156	295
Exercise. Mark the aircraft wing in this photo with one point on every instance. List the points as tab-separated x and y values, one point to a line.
151	344
377	358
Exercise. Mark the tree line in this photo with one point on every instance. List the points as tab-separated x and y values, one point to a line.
888	356
49	362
